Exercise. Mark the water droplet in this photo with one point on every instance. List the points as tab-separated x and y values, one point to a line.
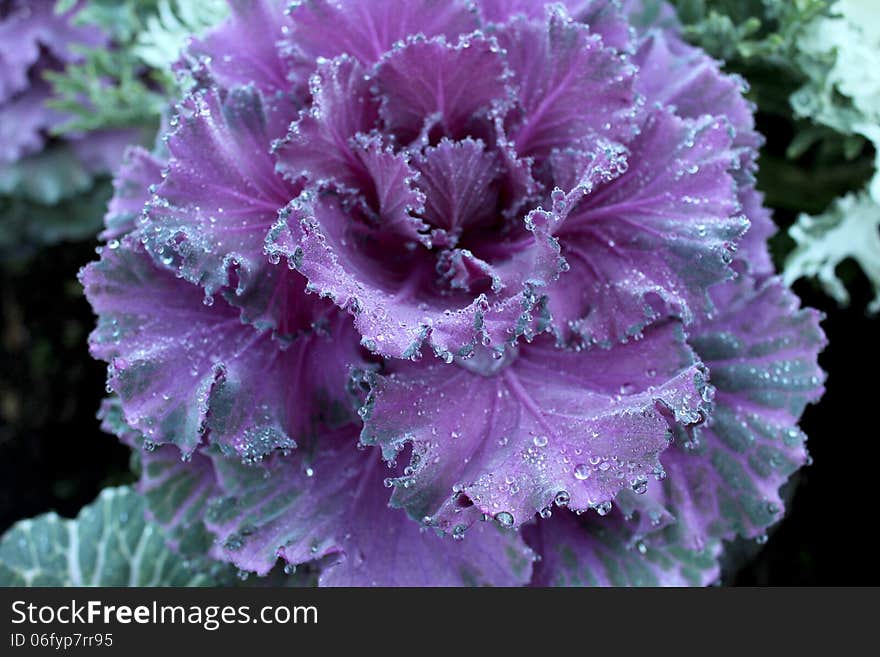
582	471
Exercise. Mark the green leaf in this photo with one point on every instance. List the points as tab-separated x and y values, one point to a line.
849	229
130	83
748	30
839	56
108	544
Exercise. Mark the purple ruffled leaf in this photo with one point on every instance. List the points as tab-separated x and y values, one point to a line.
135	183
399	300
607	552
676	74
569	85
366	29
460	180
686	78
500	11
761	350
653	239
318	146
604	17
509	438
392	201
185	371
334	144
461	270
519	188
577	170
430	87
329	504
754	249
245	50
221	195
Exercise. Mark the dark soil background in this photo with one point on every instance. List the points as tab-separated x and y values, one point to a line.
53	455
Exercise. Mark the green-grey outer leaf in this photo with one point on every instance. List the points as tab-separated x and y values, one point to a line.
110	543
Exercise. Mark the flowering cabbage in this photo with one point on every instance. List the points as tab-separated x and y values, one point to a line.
512	249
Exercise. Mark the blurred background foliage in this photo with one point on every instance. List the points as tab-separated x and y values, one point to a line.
813	70
130	84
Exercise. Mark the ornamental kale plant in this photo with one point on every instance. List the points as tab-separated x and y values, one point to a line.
434	292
